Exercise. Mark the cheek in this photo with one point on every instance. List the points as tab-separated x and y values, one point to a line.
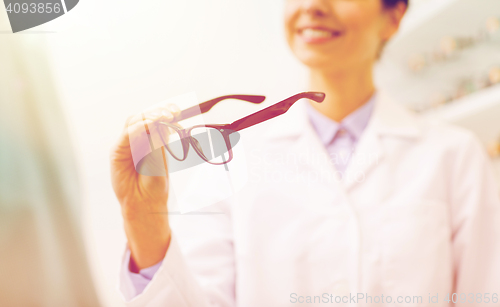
357	17
290	14
361	24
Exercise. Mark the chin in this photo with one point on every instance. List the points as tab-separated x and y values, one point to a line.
315	60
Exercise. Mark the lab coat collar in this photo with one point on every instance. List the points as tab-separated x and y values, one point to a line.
389	119
393	119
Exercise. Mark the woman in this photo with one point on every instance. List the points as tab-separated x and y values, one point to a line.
410	218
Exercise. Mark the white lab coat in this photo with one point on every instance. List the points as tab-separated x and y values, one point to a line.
419	215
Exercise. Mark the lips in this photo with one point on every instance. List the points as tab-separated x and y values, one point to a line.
318	34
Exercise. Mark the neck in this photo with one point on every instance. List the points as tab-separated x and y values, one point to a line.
345	91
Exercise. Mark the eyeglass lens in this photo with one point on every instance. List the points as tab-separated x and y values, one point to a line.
210	144
172	141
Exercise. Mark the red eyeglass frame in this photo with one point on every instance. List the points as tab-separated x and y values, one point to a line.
227	129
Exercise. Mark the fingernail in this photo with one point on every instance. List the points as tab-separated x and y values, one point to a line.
167	115
173	108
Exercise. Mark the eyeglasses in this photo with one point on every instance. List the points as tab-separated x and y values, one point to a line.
213	143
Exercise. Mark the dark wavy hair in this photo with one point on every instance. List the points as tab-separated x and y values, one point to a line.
389	4
392	3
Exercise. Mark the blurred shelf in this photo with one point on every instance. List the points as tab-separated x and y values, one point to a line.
421	13
466	108
421	32
425	25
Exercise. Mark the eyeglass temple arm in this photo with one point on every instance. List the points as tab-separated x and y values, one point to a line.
207	105
273	111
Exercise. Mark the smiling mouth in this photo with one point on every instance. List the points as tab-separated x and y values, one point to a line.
317	35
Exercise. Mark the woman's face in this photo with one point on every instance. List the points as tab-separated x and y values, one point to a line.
336	35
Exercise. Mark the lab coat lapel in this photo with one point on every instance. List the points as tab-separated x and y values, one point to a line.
367	154
317	160
388	120
308	150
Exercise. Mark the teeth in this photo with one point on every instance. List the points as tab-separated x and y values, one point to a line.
316	33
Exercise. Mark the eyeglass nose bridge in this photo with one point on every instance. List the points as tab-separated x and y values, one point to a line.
183	139
219	150
196	145
187	140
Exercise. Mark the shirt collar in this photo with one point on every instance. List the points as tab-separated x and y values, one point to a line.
389	118
355	123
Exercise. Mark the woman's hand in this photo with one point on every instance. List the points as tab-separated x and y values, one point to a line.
143	199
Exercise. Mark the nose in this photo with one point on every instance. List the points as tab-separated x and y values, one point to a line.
315	8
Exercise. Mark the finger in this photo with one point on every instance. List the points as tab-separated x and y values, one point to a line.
133	128
162	114
174	109
167	116
136	123
129	120
134	120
